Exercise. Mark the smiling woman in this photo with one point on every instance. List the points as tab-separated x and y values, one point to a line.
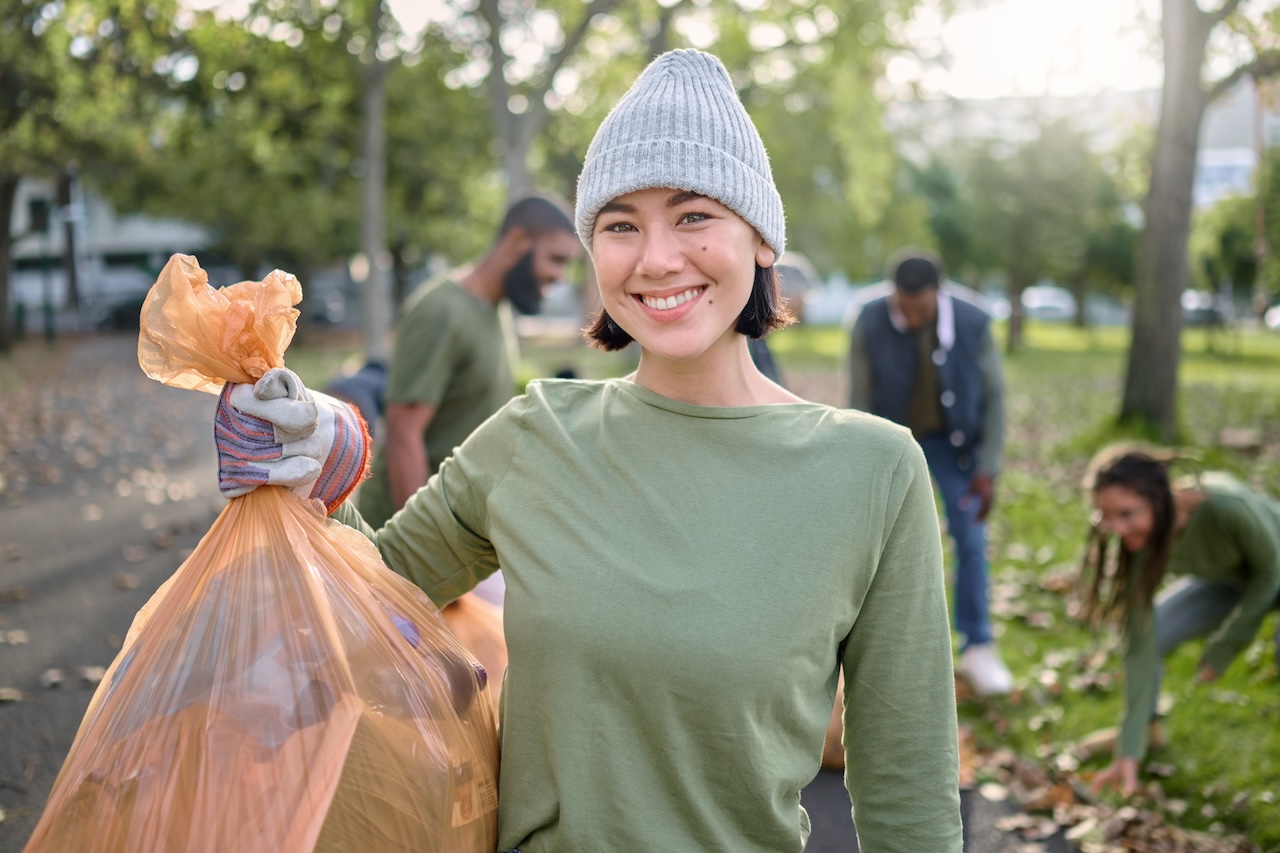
1223	540
693	554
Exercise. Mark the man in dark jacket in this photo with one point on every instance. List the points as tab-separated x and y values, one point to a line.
922	355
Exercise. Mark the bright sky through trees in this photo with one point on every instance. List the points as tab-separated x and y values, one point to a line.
1035	47
996	48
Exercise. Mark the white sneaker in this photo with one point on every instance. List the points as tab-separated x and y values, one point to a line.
986	673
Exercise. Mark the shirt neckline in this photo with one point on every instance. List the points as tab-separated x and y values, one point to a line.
658	401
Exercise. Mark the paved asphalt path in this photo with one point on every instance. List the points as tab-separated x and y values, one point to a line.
107	480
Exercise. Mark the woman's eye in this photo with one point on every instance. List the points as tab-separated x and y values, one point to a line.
693	218
618	227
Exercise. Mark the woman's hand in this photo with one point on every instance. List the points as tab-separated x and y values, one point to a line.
1122	775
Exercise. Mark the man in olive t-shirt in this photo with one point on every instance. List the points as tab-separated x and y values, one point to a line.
449	370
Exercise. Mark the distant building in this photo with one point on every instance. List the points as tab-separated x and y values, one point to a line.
117	256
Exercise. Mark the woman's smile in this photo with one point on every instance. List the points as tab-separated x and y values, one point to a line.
663	306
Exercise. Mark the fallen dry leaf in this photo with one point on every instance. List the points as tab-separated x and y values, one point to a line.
993	792
1081	829
1015	822
51	678
16	637
127	580
10	694
968	757
1053	797
13	593
92	675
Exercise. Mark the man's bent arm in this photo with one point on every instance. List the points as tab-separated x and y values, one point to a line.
407	464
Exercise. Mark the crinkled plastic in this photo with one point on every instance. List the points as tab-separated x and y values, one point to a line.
283	690
193	336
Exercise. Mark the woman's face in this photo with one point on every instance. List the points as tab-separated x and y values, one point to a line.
1125	513
675	269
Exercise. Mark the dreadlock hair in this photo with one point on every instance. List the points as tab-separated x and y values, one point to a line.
1111	585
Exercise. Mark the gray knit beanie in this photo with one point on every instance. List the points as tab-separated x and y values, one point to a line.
682	126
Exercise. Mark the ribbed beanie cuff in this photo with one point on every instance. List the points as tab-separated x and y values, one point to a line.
681	125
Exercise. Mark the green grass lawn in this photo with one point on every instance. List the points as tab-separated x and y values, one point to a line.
1221	771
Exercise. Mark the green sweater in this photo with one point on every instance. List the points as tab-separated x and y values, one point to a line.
1233	536
682	582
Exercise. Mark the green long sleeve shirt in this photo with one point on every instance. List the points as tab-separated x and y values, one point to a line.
683	583
1233	536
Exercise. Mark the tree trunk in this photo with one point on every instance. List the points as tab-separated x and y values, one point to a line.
8	191
1151	382
1017	284
69	265
1080	290
515	160
373	194
401	269
1019	279
659	42
516	131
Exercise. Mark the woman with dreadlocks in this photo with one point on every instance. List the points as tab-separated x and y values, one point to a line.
1219	537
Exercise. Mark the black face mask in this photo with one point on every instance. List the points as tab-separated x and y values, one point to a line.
522	288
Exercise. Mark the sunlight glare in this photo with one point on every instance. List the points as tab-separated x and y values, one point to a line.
1034	47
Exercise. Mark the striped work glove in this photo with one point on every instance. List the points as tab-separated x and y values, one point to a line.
276	432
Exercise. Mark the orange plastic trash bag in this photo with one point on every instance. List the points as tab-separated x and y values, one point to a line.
283	690
478	626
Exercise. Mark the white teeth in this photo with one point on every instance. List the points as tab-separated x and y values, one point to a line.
667	303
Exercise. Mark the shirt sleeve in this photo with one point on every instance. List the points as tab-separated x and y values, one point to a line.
426	355
859	370
992	450
440	540
1260	555
1140	667
901	750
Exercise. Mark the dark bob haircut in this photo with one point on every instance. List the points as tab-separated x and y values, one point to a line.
764	312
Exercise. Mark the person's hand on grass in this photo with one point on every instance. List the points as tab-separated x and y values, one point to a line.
1122	775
